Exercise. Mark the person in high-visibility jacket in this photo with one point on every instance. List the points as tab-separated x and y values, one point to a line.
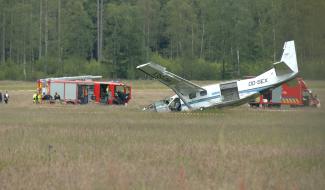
39	98
35	98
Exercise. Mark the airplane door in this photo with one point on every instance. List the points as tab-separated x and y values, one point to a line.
229	91
277	95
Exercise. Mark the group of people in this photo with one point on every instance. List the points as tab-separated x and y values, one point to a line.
39	98
5	97
118	98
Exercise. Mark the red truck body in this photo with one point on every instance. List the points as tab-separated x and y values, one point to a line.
292	93
84	91
108	92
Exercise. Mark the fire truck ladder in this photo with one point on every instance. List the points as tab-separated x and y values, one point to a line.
85	77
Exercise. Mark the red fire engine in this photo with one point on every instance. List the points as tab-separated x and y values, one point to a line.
293	93
82	90
111	92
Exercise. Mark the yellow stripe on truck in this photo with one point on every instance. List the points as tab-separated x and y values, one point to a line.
284	100
290	101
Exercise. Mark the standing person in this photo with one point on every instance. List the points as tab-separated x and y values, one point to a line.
85	95
107	94
35	98
39	98
6	97
0	97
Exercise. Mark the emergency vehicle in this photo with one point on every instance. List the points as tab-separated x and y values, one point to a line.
83	89
112	92
292	93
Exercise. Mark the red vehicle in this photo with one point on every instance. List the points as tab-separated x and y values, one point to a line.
111	92
70	91
82	89
293	93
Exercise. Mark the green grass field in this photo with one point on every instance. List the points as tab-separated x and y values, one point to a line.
109	147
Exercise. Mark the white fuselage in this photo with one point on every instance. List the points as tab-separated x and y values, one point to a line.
241	90
190	96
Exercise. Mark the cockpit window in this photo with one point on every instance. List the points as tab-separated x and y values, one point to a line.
203	93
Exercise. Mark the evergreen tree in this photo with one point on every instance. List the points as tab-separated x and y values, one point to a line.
40	38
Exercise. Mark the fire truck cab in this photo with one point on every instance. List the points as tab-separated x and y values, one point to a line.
111	93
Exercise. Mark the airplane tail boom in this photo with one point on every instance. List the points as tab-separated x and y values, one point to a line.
288	63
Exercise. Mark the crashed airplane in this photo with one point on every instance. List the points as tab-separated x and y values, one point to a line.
190	96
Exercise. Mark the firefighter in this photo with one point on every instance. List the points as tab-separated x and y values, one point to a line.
39	98
6	97
108	94
120	98
107	89
85	95
35	98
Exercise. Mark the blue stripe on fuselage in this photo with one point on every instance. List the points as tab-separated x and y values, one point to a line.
204	99
253	90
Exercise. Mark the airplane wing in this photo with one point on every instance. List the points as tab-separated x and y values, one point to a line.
179	85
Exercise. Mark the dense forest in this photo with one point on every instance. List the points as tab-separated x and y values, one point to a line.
197	39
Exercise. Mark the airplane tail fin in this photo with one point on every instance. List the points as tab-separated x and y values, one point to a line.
288	63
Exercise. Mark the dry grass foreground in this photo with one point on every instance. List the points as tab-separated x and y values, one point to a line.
109	147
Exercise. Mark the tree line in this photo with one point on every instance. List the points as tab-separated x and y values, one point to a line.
197	39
